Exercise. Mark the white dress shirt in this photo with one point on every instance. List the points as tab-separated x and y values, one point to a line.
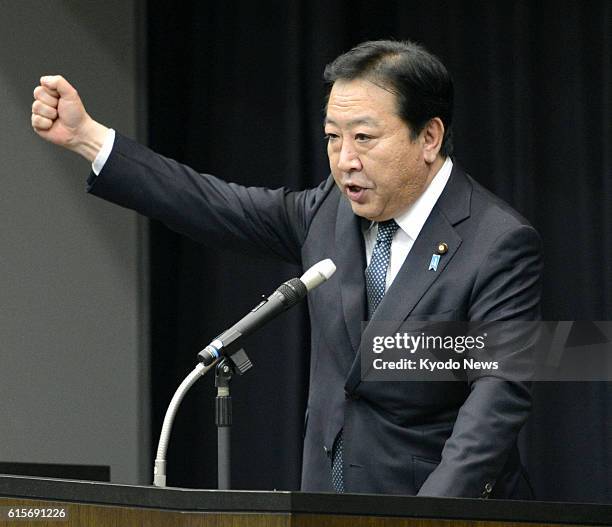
105	151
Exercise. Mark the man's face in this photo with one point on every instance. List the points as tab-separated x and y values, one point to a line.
374	161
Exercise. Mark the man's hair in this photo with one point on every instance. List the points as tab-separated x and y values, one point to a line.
420	82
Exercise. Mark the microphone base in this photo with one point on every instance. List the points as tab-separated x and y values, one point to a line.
159	473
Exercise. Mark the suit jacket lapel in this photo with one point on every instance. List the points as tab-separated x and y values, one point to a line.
351	265
414	277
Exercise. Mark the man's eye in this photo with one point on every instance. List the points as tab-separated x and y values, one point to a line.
331	137
362	138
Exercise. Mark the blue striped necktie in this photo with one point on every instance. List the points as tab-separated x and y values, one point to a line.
376	272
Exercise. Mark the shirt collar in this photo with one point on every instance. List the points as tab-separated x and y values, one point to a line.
411	221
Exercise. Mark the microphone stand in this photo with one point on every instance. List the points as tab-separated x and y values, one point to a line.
223	419
224	372
237	362
220	353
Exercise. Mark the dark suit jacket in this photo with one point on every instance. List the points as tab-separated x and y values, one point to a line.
440	439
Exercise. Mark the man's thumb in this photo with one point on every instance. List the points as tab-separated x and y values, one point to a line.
57	83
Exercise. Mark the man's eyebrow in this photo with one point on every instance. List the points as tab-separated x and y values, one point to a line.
367	121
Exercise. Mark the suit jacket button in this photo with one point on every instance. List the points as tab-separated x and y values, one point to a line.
327	451
488	488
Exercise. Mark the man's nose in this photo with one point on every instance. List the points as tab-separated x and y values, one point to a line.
349	159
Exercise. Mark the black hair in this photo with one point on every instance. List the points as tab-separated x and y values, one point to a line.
420	82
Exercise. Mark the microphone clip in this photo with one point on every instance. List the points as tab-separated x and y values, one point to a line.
239	360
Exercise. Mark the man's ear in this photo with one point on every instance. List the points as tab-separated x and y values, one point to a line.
432	134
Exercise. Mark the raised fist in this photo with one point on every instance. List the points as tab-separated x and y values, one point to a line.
58	115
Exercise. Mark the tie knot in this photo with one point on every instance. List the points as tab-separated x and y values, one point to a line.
386	230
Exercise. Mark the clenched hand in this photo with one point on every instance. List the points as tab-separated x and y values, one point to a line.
58	116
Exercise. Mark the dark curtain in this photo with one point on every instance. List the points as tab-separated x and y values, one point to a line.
235	89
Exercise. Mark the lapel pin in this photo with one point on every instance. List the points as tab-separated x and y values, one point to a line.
442	248
435	260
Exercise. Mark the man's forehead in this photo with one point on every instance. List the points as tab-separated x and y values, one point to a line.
364	120
359	102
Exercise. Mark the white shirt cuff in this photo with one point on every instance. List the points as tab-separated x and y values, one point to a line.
105	151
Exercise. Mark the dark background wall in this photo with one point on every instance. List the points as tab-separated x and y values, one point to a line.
235	89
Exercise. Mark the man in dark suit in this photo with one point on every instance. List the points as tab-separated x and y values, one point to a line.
393	205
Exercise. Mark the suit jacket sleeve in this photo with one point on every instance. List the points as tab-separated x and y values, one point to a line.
253	220
507	288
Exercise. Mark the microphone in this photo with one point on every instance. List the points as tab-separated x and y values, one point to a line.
286	295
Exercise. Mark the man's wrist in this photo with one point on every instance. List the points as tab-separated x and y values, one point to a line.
91	139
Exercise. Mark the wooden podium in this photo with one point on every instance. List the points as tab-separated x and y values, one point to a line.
94	504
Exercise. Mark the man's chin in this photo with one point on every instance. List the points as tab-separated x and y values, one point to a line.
364	211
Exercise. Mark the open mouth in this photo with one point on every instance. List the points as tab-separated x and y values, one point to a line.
355	192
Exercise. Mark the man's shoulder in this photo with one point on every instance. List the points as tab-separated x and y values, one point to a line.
481	216
487	204
484	205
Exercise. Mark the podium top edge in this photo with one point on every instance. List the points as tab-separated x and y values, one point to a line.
291	502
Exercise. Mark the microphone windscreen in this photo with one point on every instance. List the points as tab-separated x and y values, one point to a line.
318	273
